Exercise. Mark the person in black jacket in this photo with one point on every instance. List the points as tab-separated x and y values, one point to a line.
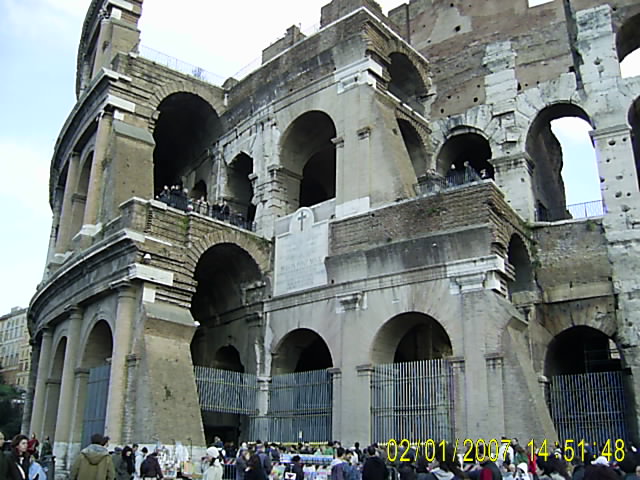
4	462
254	469
18	460
374	467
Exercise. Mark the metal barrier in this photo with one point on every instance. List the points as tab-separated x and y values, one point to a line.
412	400
225	391
180	66
300	407
593	209
182	202
589	406
48	463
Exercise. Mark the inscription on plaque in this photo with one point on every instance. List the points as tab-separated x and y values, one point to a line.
300	254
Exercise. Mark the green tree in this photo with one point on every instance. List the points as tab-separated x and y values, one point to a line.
10	410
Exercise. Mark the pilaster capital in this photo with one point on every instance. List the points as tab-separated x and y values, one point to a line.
73	311
335	372
47	332
79	372
365	370
124	288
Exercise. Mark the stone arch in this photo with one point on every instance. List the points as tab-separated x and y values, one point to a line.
185	127
300	350
239	185
519	259
308	155
627	37
53	384
170	88
415	145
572	350
260	253
93	350
226	357
229	285
410	336
545	151
406	81
455	150
419	62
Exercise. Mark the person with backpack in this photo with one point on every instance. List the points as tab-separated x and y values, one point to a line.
150	467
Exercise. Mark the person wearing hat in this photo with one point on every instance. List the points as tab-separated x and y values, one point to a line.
94	462
212	462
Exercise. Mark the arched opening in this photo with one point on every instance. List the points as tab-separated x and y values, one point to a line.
301	350
519	267
58	199
415	148
52	392
634	123
79	198
239	187
566	181
589	393
410	337
186	126
225	388
628	47
93	389
411	392
199	190
406	82
229	283
464	157
309	156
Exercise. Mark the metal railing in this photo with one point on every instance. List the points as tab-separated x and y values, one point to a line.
593	209
226	391
412	400
453	179
180	66
180	201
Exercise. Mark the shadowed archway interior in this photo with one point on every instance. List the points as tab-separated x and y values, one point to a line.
301	350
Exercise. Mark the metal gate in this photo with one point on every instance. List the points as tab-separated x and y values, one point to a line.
300	407
95	407
225	391
412	400
588	406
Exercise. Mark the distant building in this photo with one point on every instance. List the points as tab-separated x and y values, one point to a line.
15	351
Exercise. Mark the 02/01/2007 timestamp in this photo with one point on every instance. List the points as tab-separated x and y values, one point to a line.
579	450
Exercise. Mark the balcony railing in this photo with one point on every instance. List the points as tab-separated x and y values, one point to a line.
576	211
180	66
179	200
434	183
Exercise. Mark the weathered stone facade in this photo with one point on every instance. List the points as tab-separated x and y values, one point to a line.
340	148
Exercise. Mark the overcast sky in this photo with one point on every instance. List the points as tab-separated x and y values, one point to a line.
38	48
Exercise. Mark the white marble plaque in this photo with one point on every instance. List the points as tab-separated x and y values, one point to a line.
300	254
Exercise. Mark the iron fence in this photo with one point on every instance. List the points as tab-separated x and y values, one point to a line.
412	400
180	66
454	178
589	406
300	407
177	199
225	391
593	209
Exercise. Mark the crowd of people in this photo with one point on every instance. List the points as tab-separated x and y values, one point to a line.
21	460
179	198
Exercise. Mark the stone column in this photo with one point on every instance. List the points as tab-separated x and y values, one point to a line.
365	375
131	397
513	174
264	385
67	387
94	194
336	402
459	396
125	319
44	362
495	390
66	213
28	403
79	399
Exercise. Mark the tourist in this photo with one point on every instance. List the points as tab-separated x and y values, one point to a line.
4	461
599	469
254	469
447	466
32	446
242	461
140	456
150	467
297	467
124	464
19	458
490	470
374	467
94	462
214	467
337	465
47	449
36	472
